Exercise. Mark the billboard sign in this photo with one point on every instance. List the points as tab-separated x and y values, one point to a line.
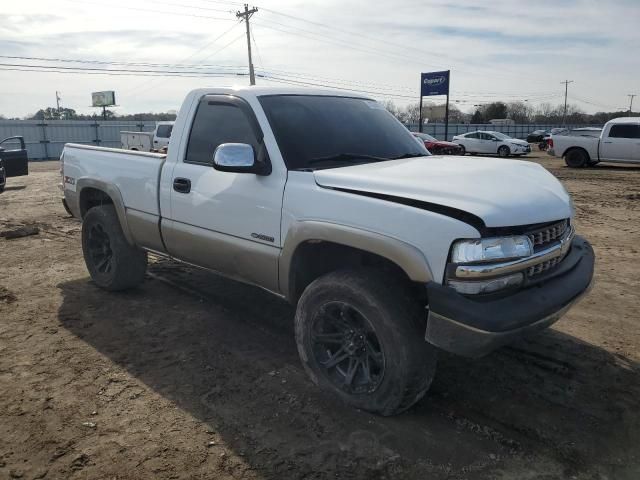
434	83
103	99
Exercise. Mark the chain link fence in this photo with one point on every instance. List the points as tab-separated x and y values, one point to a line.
46	138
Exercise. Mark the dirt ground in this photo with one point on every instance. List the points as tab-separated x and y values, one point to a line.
193	376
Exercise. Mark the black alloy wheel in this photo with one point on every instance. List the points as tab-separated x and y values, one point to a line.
347	349
100	249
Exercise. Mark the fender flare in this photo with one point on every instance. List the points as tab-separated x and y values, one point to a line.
116	197
406	256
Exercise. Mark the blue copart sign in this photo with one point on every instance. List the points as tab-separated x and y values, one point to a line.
435	83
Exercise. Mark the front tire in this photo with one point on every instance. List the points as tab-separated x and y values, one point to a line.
463	150
112	262
362	337
503	151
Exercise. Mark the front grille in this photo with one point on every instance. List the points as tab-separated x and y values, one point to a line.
545	236
543	267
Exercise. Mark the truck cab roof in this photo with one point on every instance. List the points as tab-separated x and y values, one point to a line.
260	91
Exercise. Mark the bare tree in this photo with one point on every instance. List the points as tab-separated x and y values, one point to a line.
519	112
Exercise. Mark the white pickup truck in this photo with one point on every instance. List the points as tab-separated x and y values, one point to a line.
325	199
148	141
619	142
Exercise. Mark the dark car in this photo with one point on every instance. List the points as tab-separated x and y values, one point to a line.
537	136
13	161
438	147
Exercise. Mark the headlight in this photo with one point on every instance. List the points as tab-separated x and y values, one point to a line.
491	249
486	251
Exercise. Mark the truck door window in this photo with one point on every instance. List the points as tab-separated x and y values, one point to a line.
216	123
164	131
625	131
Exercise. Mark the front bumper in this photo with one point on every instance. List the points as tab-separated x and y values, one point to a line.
475	327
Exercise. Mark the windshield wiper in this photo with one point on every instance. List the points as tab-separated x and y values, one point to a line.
408	155
347	157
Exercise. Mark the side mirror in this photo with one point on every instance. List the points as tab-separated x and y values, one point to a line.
235	157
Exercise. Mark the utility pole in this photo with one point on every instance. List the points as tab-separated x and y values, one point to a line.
631	95
246	15
566	90
58	102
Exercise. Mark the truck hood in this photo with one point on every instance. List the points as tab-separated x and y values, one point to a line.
502	193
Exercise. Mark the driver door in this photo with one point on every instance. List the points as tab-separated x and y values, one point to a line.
486	143
225	221
15	159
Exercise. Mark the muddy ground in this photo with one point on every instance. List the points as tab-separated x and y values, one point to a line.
193	376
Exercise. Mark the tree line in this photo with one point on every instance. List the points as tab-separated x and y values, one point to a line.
53	113
519	112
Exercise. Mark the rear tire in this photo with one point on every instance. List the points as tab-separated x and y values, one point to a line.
362	337
112	262
576	158
503	151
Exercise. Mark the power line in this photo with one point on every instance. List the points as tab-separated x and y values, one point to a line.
147	83
131	64
126	73
384	41
112	70
286	73
140	9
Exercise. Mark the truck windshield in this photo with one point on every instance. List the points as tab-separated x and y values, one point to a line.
164	131
315	131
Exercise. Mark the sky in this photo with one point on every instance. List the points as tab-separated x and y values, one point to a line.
499	50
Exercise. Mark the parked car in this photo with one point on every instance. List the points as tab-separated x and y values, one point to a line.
438	147
537	136
325	199
491	142
14	162
619	142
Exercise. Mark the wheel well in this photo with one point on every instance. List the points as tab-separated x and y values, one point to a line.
315	258
92	197
574	149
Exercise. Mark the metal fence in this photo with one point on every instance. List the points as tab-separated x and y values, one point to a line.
520	130
45	138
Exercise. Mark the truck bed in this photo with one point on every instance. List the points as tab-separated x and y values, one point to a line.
562	143
135	174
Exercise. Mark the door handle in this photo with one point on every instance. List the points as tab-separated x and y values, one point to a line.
182	185
607	142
